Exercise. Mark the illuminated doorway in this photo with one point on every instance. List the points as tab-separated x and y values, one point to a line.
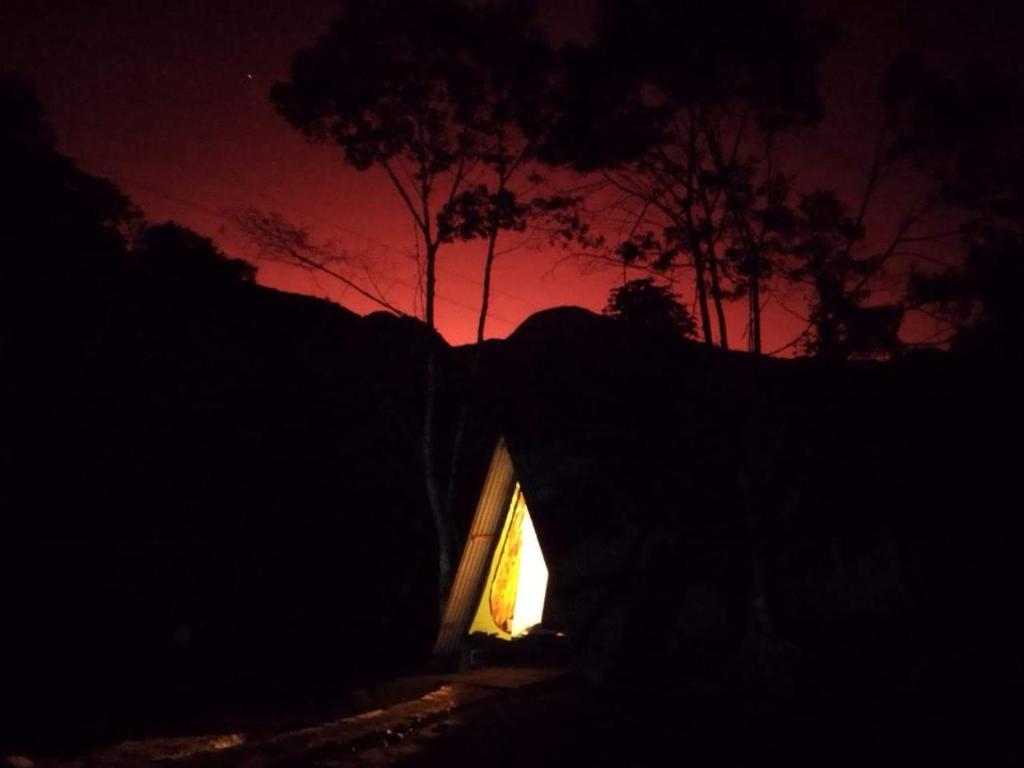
513	598
501	580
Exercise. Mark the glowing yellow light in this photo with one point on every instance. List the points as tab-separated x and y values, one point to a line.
533	580
513	600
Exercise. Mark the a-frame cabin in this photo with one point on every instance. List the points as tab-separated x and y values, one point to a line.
501	580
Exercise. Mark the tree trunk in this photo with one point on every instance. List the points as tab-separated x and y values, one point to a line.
442	522
460	425
754	334
492	239
486	297
716	295
702	299
431	283
437	510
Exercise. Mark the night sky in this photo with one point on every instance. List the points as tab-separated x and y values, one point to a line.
169	99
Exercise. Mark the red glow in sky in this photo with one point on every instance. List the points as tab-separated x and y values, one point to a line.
170	101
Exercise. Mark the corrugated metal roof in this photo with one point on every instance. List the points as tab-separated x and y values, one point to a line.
476	556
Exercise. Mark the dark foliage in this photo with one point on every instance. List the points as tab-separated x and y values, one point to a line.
792	562
620	96
197	476
968	134
173	254
823	257
476	212
980	298
446	91
60	224
650	305
677	106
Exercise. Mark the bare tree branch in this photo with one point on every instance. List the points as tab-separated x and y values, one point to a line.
280	240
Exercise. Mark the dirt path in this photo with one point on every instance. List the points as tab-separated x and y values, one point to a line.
455	714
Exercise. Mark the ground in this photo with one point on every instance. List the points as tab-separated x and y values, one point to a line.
424	720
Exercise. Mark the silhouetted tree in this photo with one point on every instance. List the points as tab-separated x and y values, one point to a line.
968	135
435	94
479	212
176	255
677	105
945	136
980	298
442	90
279	239
825	260
59	222
386	85
648	304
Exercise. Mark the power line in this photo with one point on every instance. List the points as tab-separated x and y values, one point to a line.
239	181
212	212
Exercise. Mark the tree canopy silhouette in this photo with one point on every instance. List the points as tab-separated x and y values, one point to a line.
58	219
437	94
650	305
445	98
968	134
64	228
175	254
677	105
822	258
